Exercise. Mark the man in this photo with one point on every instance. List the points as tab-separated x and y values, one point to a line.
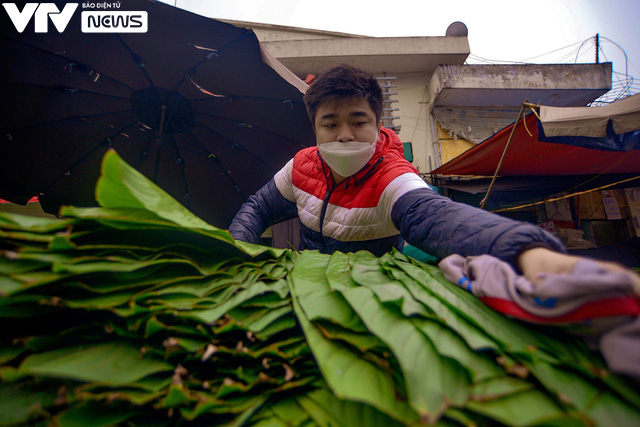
355	191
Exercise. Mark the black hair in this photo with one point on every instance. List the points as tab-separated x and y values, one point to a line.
340	83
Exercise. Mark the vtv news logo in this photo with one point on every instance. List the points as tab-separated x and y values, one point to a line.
43	12
106	21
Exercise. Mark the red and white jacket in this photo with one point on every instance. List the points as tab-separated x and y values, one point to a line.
377	208
355	213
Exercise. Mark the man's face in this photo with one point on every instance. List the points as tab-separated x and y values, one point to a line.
346	120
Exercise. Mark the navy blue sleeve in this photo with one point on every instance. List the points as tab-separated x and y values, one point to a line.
261	210
441	227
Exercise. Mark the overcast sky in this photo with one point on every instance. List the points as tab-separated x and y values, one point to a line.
541	31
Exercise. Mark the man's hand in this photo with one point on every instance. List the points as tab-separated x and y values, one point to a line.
535	261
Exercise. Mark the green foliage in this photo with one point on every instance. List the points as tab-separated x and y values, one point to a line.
140	313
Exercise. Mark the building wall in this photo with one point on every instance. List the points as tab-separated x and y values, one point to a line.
270	33
414	118
450	145
473	102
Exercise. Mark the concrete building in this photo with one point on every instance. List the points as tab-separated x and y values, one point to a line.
439	104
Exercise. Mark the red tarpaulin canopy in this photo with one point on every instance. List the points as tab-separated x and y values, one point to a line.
31	200
529	156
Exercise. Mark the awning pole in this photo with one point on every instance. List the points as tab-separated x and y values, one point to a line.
506	147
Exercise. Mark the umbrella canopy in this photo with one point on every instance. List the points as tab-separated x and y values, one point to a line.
195	104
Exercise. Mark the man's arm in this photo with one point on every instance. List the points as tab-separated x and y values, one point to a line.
537	261
261	210
442	227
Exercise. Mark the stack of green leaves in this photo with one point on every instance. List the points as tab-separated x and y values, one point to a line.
140	313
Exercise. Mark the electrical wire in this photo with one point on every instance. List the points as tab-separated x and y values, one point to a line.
493	61
553	51
565	196
590	39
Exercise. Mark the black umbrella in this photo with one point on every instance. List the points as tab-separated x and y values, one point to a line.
192	103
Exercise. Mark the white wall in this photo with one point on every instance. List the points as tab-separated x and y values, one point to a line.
414	118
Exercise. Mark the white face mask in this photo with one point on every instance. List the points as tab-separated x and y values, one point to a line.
347	158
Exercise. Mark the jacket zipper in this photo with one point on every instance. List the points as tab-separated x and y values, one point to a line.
325	203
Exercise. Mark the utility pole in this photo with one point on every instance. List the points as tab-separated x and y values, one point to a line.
597	48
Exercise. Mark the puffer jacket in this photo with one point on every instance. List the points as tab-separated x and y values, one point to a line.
378	208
